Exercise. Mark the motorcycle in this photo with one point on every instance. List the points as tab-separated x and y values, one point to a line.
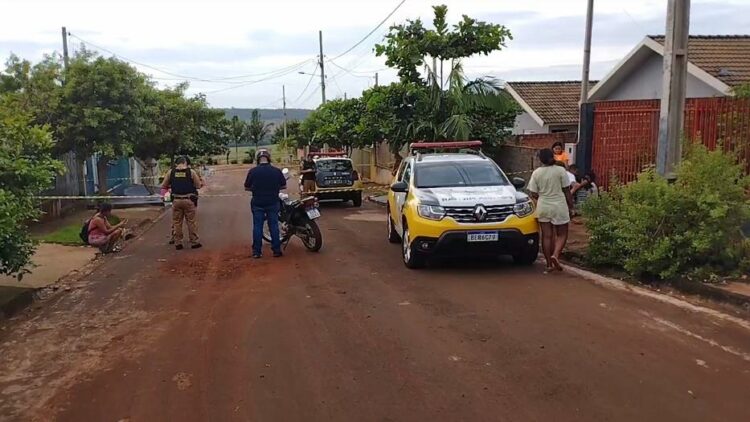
297	218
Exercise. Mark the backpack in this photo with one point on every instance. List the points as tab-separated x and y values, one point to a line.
84	234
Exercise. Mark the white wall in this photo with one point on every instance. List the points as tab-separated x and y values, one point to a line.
525	124
645	83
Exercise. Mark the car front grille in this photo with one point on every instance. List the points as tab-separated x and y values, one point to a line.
495	214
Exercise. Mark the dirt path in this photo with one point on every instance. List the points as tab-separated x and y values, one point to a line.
350	334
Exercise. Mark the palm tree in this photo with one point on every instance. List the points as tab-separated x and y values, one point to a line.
449	112
257	129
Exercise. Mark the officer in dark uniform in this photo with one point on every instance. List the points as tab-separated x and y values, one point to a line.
265	181
184	183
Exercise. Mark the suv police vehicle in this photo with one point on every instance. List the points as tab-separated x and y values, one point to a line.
448	199
336	178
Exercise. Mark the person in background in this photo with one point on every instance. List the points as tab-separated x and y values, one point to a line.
571	176
102	234
559	151
308	175
265	182
194	198
550	188
184	184
586	189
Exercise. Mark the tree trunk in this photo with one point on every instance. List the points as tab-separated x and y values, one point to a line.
102	169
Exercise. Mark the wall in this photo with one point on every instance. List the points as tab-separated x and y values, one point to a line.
524	123
517	160
645	83
66	184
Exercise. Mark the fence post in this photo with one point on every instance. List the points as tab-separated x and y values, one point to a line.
586	138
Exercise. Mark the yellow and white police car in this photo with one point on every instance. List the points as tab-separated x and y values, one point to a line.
449	199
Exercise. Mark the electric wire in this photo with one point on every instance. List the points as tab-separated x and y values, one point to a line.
371	32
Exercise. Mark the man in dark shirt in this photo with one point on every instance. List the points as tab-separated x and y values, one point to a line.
265	182
308	175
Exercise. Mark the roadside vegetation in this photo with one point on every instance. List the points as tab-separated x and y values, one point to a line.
692	227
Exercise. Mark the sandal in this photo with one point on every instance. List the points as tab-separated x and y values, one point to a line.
556	263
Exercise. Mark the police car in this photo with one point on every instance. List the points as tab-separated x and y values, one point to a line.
448	199
336	178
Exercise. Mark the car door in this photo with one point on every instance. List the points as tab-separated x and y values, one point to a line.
400	197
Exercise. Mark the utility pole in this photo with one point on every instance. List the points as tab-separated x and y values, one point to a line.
587	53
65	47
322	69
345	96
283	102
376	79
674	85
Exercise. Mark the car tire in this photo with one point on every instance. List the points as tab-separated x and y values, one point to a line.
357	199
527	257
393	237
412	258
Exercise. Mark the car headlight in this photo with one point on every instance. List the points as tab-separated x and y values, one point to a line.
523	209
431	212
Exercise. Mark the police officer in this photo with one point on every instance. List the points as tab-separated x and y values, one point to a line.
265	182
184	183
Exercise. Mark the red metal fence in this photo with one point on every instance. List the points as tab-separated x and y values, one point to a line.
626	133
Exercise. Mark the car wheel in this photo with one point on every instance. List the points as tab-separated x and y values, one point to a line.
357	199
412	259
393	237
527	256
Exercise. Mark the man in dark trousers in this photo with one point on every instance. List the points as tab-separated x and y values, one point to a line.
308	175
184	183
265	182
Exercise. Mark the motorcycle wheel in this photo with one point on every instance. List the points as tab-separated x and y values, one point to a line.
312	239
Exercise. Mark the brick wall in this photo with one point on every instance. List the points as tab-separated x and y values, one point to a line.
517	160
544	140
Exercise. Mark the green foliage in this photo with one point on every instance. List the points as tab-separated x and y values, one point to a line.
390	112
70	234
335	123
407	46
256	129
654	228
742	91
26	169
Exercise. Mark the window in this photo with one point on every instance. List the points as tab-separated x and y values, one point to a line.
406	177
333	165
452	174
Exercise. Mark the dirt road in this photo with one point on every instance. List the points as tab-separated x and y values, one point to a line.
350	335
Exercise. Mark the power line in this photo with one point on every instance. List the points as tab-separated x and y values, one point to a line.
312	76
314	91
371	32
351	72
197	79
241	85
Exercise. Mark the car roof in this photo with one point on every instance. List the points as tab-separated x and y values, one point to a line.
332	158
452	157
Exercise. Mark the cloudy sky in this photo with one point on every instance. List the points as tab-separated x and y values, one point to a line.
240	53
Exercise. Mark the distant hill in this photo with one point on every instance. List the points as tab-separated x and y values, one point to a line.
271	115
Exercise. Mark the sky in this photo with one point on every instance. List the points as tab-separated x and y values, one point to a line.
241	53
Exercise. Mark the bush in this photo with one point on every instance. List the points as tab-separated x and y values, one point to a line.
656	229
233	162
247	160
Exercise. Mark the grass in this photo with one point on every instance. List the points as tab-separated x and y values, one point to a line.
69	234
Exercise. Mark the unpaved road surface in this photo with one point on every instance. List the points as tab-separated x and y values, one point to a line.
350	335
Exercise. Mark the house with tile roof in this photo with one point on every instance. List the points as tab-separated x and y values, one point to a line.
716	65
548	107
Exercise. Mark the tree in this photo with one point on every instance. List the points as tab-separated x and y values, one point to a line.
237	131
293	135
37	88
26	169
407	46
256	129
389	113
338	123
102	110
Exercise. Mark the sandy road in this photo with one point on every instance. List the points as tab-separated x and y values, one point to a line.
349	334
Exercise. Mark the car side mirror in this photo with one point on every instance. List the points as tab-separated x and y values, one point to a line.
400	187
285	172
518	183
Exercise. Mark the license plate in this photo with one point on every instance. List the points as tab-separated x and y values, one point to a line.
313	213
482	237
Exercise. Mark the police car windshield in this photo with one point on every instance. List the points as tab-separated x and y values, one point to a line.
455	174
333	165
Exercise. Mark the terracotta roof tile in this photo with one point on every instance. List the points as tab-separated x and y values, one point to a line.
554	102
725	57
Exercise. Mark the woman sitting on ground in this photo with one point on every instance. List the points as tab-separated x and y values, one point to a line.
586	189
102	234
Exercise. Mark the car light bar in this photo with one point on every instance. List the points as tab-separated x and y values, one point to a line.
418	146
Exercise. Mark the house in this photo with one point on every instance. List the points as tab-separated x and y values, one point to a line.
716	65
548	107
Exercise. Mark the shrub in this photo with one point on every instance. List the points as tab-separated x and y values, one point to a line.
654	228
247	160
233	162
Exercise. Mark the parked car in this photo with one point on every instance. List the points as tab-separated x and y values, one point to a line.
336	178
454	203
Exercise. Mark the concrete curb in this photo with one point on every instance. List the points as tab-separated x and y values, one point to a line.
372	199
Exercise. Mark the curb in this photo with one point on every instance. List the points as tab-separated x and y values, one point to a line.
371	198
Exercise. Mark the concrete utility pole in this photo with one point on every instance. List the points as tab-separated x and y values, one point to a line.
322	69
65	47
283	102
376	78
587	53
674	85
